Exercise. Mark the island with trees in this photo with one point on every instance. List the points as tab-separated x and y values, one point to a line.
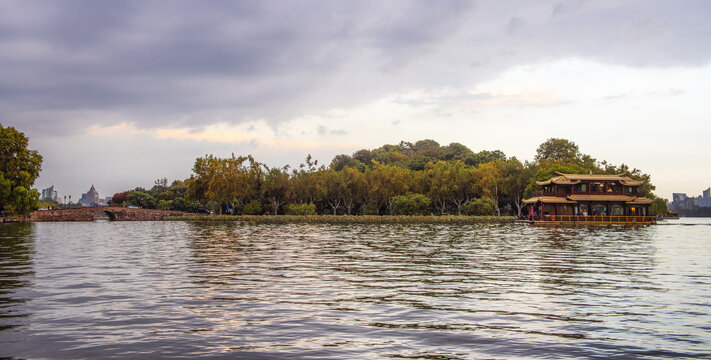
421	179
407	179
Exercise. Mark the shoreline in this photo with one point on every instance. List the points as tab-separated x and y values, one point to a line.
347	219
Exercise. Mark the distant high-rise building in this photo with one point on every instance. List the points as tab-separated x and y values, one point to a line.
49	194
681	201
679	197
90	198
705	199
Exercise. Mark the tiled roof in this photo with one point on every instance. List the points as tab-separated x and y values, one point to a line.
548	200
571	179
572	199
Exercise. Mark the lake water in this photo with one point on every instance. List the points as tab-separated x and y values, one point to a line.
226	290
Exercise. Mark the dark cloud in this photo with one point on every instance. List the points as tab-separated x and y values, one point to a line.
66	65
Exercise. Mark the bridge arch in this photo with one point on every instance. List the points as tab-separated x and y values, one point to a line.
109	213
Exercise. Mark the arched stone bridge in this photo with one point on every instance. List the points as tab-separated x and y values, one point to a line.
114	214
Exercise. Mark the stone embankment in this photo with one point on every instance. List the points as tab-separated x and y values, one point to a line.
114	213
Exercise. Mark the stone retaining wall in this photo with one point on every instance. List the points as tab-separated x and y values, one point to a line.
114	213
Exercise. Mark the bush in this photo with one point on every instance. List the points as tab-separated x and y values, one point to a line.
410	204
252	208
481	206
180	204
300	209
371	209
165	204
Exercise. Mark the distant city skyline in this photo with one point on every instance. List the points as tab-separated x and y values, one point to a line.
121	93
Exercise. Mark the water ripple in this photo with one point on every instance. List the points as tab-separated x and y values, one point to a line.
227	290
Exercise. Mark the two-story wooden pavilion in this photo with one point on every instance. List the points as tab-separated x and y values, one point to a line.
589	198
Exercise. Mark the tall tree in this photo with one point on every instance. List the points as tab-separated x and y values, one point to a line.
441	183
19	164
19	168
276	188
491	182
516	177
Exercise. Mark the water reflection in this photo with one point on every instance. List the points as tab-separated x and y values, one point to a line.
356	291
16	272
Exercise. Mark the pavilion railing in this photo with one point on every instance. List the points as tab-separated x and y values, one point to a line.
598	218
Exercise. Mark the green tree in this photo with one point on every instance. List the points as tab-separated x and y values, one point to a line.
465	184
659	206
19	168
354	187
558	149
410	204
343	160
18	164
492	182
516	177
23	201
455	151
276	188
5	191
441	179
335	187
427	147
483	157
141	199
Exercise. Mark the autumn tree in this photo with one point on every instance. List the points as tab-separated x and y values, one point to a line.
441	178
276	187
515	179
491	182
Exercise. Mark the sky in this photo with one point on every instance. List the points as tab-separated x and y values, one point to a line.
120	93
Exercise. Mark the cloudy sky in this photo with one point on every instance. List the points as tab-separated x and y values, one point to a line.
119	93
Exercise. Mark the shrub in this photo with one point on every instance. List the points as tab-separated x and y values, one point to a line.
252	208
371	209
165	204
410	204
301	209
481	206
180	204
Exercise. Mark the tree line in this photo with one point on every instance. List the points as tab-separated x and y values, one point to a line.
405	179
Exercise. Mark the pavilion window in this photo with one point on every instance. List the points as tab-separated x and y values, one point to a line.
581	187
598	187
599	209
617	210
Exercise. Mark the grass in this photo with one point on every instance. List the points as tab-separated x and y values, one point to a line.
347	219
